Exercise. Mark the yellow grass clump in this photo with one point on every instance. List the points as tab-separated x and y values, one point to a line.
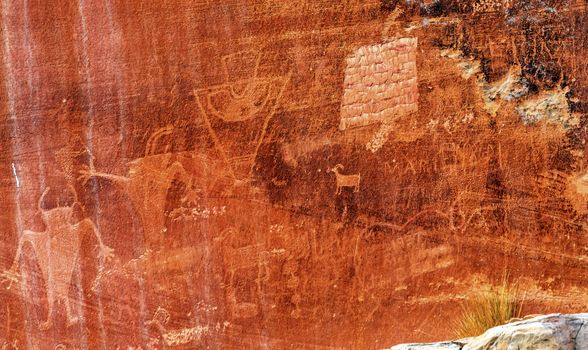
489	307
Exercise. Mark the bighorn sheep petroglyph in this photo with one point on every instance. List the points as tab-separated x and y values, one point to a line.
345	180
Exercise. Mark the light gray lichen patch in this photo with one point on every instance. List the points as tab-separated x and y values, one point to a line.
550	106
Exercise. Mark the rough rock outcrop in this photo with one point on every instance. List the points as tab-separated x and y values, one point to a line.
549	332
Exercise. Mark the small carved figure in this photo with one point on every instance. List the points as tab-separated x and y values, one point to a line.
345	180
57	249
159	321
174	337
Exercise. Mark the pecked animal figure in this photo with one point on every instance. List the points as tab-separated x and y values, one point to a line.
351	181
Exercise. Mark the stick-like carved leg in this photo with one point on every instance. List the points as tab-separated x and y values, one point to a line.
44	326
71	319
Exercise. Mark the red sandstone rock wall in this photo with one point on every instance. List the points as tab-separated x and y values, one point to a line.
168	170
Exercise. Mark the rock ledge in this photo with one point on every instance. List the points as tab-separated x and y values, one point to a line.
548	332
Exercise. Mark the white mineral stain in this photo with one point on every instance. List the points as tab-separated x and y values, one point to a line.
184	336
15	175
551	106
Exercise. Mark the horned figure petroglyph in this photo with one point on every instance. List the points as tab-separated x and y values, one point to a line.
148	182
57	250
345	180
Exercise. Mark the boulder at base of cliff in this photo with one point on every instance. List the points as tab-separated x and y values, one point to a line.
549	332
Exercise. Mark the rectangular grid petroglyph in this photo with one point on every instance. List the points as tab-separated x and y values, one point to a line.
380	83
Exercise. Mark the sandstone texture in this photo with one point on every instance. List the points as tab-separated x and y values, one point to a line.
272	174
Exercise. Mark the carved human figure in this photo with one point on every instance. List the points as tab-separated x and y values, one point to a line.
57	250
147	184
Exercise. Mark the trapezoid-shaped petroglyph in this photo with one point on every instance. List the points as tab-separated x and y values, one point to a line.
237	112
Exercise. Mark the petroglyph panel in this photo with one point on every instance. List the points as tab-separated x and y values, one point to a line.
174	175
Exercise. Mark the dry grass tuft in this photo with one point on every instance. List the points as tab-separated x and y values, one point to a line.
489	307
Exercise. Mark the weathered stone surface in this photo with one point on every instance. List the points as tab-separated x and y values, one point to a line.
549	332
174	174
543	332
457	345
